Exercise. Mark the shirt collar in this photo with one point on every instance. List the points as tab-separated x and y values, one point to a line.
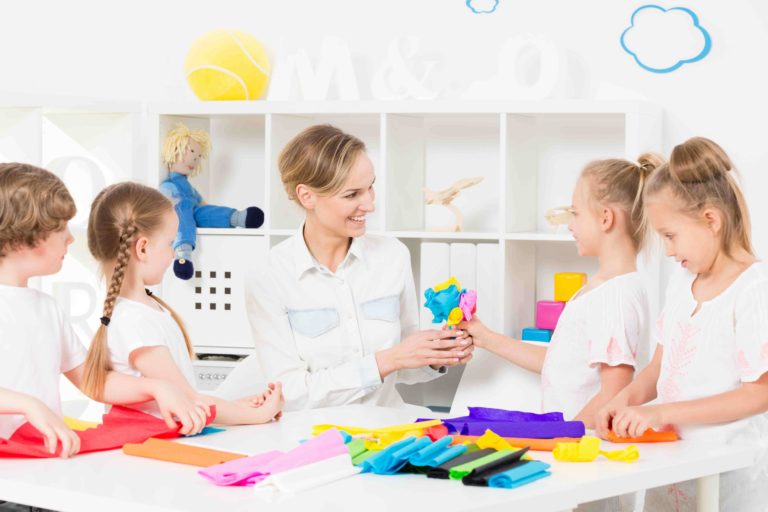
304	261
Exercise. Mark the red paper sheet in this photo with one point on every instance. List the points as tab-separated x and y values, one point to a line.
120	425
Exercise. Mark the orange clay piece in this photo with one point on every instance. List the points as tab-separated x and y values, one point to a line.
649	436
538	445
170	451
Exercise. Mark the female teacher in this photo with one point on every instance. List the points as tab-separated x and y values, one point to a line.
334	311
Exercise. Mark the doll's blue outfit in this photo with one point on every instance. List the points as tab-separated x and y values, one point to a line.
186	202
191	214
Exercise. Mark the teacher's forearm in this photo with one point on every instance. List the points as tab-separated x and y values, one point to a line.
327	387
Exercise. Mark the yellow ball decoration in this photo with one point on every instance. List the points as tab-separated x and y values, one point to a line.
227	65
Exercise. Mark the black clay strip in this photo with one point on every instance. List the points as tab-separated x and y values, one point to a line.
443	470
480	475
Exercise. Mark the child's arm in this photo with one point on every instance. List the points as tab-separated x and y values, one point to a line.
612	380
749	399
525	355
43	419
235	413
123	389
639	391
156	362
257	400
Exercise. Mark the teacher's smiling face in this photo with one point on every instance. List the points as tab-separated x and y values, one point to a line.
344	213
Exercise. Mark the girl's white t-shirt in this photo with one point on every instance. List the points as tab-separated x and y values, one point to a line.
604	325
135	325
715	350
37	345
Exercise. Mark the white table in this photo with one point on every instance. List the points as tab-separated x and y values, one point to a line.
114	481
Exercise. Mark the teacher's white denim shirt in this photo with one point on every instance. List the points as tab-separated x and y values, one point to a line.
317	331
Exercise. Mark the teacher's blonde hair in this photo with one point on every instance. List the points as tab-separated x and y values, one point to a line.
319	157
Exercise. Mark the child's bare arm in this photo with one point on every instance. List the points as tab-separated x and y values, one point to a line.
239	413
51	426
612	380
749	399
639	391
525	355
157	363
163	382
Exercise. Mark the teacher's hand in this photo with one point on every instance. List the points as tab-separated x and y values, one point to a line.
461	334
426	348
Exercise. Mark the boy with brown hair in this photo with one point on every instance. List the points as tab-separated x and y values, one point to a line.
37	344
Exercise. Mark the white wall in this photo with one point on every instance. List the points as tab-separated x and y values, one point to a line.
135	51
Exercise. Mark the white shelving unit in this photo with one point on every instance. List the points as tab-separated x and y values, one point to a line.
529	155
88	145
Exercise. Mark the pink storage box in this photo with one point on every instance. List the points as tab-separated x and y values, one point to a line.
548	313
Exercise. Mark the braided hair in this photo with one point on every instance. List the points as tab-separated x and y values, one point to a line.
119	215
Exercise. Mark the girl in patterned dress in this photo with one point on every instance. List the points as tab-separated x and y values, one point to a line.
708	370
594	348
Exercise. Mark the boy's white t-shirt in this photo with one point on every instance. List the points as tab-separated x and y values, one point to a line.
135	325
607	324
708	353
37	345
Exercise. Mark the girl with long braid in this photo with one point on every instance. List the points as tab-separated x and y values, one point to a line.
131	229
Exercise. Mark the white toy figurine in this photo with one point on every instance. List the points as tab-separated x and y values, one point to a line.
445	197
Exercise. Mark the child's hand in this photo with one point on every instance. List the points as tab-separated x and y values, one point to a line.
603	420
634	421
174	403
605	416
53	429
254	400
467	344
476	329
273	405
257	400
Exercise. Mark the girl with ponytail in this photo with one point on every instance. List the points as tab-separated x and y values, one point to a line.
601	334
709	372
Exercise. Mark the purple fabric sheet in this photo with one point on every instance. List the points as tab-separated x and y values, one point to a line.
529	429
514	424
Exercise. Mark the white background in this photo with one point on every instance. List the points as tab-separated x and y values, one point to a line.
136	50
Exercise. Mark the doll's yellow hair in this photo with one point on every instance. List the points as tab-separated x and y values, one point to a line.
177	143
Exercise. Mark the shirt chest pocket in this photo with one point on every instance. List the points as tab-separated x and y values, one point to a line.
312	323
386	309
380	322
315	332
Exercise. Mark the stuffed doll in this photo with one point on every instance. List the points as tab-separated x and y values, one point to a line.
183	154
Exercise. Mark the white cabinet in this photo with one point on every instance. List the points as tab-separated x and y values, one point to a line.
528	153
